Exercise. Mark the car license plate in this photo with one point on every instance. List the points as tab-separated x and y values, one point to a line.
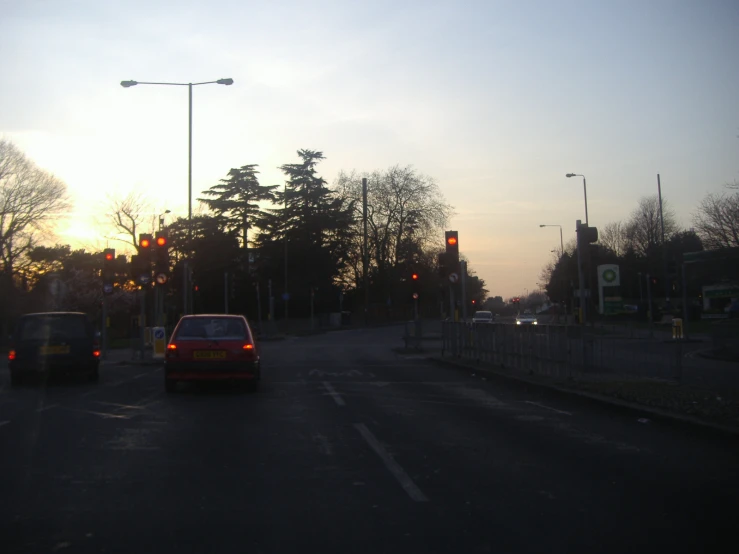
58	349
209	354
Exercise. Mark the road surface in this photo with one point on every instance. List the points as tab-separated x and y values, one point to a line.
351	447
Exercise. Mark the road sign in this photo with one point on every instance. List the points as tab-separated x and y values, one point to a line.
161	278
453	277
159	346
107	288
286	296
415	296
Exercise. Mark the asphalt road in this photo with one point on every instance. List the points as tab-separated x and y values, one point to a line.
351	447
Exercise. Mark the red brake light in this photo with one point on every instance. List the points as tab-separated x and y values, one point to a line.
11	355
248	346
171	346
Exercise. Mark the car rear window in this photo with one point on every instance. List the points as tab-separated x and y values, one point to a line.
223	328
483	315
50	327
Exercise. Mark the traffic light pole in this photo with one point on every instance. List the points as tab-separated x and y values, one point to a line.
580	275
104	330
142	323
463	277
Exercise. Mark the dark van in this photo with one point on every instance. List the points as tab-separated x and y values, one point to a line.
53	343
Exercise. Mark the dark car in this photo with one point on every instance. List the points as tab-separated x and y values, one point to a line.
212	347
52	343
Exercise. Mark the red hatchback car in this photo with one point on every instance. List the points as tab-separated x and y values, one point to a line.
212	347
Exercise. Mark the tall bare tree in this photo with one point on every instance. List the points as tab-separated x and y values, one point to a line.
406	212
644	229
716	220
614	237
130	215
30	200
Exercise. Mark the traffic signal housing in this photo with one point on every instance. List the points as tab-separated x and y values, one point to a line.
108	272
161	257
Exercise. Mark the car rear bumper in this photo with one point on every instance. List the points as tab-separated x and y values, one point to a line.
54	366
216	372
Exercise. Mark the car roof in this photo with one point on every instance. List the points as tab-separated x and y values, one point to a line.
53	313
198	316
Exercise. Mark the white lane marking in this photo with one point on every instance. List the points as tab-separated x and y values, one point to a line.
394	467
49	407
324	444
3	423
335	395
139	376
547	407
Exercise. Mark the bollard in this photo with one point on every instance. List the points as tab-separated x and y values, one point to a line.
677	328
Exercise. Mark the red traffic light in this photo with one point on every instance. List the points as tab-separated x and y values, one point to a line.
414	276
451	241
108	256
144	243
161	241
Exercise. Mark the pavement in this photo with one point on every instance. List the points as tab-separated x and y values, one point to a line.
351	447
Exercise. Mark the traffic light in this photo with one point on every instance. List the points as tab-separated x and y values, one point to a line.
414	276
161	257
146	240
443	269
452	246
108	270
140	269
587	234
451	240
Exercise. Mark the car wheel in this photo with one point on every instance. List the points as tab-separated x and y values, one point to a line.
170	385
15	378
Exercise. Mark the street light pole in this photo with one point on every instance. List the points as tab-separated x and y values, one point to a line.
585	192
561	241
185	269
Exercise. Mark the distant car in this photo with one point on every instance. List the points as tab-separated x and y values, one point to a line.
212	347
526	319
483	316
53	343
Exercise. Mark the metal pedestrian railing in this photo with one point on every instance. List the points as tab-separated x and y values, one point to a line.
561	350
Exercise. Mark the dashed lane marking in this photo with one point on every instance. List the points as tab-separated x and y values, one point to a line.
394	467
335	395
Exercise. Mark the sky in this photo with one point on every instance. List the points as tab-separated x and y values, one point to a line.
496	101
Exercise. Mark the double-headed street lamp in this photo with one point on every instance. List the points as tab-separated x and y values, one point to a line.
128	84
561	242
585	190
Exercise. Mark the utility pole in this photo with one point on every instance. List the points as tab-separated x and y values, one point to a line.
365	260
664	246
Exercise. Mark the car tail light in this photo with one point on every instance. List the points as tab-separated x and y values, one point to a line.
11	355
171	350
248	346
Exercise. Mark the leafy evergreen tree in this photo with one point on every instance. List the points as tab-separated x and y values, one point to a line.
236	200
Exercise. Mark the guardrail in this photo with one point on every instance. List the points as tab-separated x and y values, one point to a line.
562	351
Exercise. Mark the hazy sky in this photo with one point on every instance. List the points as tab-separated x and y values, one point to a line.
494	100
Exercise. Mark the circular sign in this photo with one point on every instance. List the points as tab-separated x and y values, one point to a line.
158	333
161	278
415	296
453	277
609	276
144	279
286	296
107	288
